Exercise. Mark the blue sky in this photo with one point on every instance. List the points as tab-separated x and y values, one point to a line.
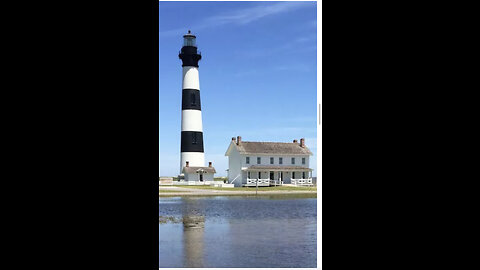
257	75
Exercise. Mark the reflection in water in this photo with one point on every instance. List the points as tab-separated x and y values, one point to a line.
193	230
238	232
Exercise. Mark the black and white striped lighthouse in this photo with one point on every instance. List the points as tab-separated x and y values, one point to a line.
192	132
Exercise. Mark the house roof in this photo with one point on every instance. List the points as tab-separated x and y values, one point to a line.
198	169
272	148
277	168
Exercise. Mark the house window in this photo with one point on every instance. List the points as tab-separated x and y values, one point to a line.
293	160
271	160
293	175
258	160
194	138
280	160
247	160
303	160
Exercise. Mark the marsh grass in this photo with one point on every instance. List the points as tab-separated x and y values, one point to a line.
164	220
279	188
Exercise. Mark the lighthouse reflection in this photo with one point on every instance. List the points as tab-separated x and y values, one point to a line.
193	235
217	232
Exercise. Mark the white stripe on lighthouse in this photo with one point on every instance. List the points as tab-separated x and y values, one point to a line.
190	78
195	159
192	120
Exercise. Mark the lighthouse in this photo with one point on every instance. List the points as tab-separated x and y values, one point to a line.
191	148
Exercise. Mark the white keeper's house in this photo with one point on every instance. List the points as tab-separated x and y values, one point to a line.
268	163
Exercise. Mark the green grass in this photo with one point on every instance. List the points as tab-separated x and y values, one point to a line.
279	188
172	190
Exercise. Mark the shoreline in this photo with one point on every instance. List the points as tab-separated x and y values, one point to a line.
186	192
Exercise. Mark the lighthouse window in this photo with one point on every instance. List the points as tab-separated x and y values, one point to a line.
194	138
193	99
189	41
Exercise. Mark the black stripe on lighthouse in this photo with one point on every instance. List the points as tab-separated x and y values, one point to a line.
191	141
189	56
191	99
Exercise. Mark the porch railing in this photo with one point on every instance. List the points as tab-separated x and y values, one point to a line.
277	182
253	181
302	182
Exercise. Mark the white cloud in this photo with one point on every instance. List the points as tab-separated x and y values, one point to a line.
241	16
247	15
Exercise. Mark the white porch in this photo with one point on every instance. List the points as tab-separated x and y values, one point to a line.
265	176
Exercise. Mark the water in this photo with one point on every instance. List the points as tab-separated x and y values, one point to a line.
243	231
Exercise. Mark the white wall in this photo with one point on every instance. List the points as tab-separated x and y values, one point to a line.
190	78
192	120
265	160
208	177
196	177
195	159
234	168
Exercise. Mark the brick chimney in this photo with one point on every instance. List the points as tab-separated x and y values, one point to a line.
302	142
294	141
233	140
186	164
239	140
210	164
